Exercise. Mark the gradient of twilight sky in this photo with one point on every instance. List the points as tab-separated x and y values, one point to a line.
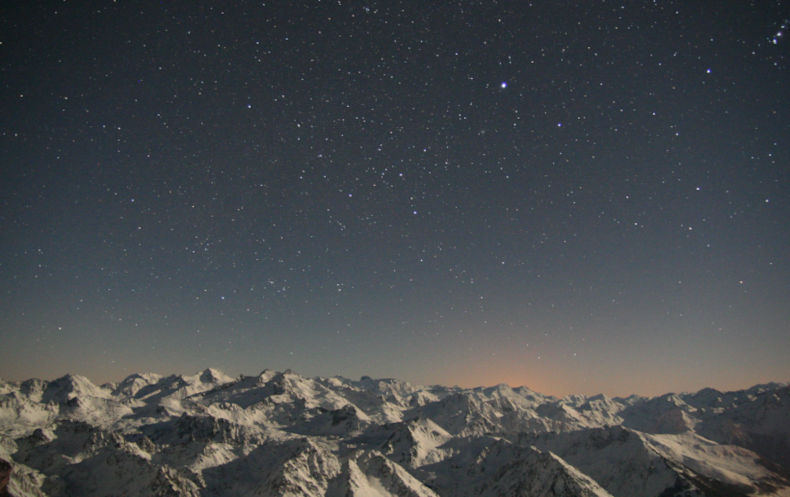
576	196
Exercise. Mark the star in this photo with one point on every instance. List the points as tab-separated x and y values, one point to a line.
143	185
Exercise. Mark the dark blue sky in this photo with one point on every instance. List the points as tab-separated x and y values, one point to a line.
573	196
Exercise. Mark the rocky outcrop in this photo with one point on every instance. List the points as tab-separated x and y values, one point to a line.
282	434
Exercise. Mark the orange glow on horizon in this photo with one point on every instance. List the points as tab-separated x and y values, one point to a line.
491	374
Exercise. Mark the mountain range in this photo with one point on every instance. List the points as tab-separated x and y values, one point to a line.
283	434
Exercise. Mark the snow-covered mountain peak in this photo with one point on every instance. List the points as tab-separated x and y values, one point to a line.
280	433
32	387
215	376
71	386
265	376
129	386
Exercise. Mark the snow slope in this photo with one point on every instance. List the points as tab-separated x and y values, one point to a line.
282	434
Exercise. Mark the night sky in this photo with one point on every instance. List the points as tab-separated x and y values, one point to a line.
576	196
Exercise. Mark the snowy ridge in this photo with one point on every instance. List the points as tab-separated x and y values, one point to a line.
282	434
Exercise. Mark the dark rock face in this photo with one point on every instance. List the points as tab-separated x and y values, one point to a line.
283	434
5	477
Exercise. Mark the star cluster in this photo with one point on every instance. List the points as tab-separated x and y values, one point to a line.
575	196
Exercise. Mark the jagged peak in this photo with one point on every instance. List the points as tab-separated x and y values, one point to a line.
672	398
146	378
72	378
765	387
462	438
501	389
213	375
574	399
265	376
631	399
73	383
33	385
